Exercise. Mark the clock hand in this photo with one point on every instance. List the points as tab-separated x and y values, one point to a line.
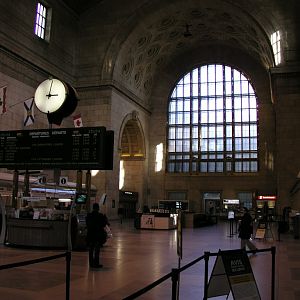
49	95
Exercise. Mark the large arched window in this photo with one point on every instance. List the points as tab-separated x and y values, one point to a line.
212	122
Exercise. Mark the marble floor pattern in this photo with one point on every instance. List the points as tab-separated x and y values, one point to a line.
134	258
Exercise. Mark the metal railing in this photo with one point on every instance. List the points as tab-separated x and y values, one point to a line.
174	275
67	255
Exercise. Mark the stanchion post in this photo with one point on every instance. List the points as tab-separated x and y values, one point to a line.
273	251
68	274
206	259
174	283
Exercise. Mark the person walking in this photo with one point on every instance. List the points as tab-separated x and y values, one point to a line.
96	235
246	230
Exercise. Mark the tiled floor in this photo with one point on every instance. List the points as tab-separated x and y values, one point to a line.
134	258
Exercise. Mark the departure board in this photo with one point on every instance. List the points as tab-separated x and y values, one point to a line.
85	148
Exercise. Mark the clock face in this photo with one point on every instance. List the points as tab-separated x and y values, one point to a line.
50	95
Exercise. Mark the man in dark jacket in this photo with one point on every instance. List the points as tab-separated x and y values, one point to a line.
246	230
96	234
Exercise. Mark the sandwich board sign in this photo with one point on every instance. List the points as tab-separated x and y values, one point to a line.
232	272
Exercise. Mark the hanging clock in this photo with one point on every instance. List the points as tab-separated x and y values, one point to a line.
55	98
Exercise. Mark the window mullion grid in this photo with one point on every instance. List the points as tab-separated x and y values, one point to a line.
232	122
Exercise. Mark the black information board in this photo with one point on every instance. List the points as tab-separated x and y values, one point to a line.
65	148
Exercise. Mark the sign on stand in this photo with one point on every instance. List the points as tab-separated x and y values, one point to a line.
232	272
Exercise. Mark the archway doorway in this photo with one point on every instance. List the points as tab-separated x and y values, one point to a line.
132	157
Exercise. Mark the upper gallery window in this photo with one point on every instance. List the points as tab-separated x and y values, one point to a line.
42	21
212	122
275	42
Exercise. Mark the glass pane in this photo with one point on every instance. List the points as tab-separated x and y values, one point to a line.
219	167
211	145
228	144
238	167
246	146
219	73
237	88
228	88
245	115
212	131
211	117
195	76
171	146
211	166
172	106
195	132
186	145
212	104
220	145
219	116
179	118
227	73
219	103
195	145
229	131
195	117
195	104
187	118
203	145
179	133
238	144
238	130
180	90
186	79
203	74
211	73
195	91
211	89
203	167
172	133
228	116
204	117
179	105
253	116
204	104
187	90
219	88
244	87
203	89
237	102
187	105
204	132
172	118
245	102
237	115
186	132
178	145
245	130
185	167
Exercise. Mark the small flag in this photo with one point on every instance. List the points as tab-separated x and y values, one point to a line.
77	121
3	100
28	112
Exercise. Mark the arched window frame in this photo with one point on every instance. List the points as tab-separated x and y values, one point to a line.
212	122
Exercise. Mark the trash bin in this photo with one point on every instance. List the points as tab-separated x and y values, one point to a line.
296	226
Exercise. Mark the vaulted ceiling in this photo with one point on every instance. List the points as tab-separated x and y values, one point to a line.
142	35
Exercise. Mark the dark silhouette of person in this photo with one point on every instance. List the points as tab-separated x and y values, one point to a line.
246	230
96	235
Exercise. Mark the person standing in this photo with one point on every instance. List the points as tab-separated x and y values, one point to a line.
96	235
246	230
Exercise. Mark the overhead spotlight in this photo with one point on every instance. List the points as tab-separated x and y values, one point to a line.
187	32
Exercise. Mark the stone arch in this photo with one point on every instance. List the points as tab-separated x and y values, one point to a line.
131	144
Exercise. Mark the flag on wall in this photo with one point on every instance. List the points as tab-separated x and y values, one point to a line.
3	100
28	112
77	121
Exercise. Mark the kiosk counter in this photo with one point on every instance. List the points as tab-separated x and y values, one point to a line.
158	220
37	233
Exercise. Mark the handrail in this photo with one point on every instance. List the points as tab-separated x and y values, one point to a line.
174	275
47	258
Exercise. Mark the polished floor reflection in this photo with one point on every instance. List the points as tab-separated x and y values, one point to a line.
134	258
